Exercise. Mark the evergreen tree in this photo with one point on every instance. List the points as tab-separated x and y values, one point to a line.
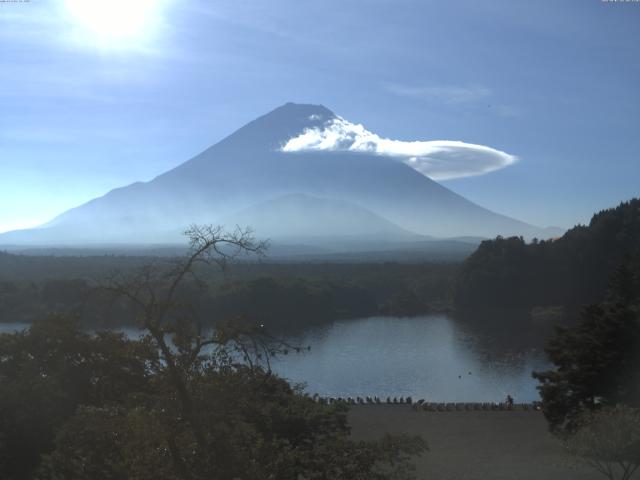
597	361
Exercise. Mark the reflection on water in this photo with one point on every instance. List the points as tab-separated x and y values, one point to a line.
429	357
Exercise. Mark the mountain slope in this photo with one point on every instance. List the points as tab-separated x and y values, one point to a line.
298	216
248	168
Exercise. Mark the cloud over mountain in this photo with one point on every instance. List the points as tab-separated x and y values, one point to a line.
299	173
439	159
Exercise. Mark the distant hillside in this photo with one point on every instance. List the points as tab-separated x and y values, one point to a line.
572	270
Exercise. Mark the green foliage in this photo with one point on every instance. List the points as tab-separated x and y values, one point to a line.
272	294
598	360
496	274
100	407
279	302
571	271
47	372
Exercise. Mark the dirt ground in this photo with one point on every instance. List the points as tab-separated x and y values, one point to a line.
474	445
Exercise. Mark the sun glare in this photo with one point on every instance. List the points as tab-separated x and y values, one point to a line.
114	20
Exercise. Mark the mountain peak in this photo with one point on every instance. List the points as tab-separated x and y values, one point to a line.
303	110
275	128
252	166
295	118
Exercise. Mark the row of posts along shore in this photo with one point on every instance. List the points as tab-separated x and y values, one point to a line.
423	405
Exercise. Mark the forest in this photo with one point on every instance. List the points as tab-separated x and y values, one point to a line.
284	295
570	271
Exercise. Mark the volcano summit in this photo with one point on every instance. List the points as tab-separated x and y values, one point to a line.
297	174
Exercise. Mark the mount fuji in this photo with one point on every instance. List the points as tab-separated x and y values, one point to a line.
298	173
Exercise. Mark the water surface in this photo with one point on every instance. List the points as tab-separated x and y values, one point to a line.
430	357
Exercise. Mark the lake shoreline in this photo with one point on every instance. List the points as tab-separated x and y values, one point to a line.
433	358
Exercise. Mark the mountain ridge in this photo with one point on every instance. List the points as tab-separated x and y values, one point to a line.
248	167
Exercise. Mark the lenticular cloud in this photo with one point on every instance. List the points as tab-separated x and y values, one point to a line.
439	160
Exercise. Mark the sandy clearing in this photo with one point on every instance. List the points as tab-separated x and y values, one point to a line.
474	445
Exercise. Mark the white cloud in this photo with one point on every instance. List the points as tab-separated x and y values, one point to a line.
439	160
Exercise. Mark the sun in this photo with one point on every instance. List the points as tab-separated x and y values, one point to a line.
114	20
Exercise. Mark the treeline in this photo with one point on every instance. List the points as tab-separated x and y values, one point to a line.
35	268
508	273
279	295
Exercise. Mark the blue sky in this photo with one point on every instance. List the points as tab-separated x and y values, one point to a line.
96	95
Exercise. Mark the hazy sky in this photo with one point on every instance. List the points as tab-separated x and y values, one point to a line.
97	94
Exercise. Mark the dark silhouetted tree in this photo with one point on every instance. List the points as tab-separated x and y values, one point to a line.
597	361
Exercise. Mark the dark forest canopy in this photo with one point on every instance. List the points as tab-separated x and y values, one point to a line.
508	273
279	294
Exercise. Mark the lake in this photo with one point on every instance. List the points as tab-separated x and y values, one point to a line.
431	357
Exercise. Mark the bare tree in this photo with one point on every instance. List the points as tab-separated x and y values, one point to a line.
609	441
173	327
